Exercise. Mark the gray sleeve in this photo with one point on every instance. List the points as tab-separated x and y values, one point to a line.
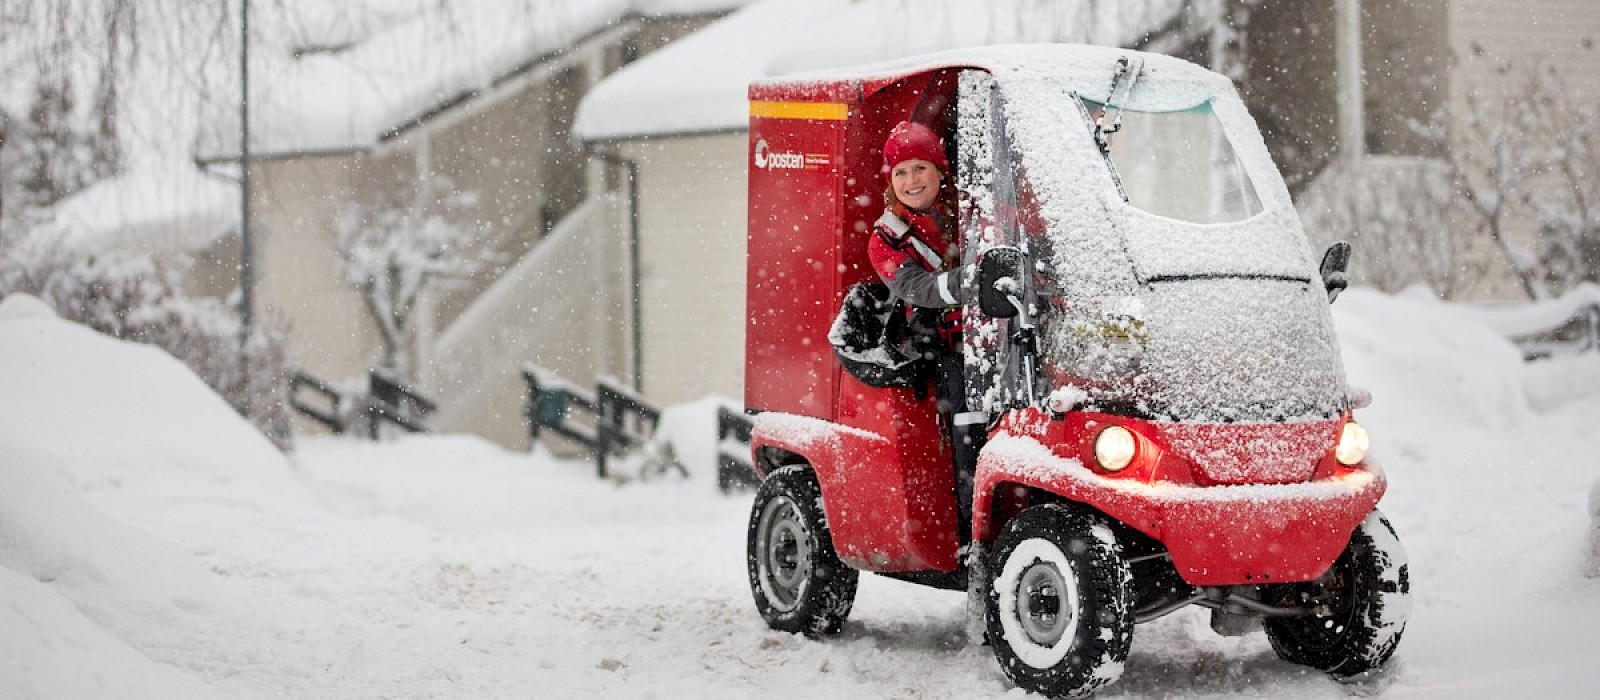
929	290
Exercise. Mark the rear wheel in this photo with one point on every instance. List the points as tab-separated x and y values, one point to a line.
1058	608
796	577
1362	605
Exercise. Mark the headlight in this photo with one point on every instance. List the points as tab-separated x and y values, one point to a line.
1114	448
1353	444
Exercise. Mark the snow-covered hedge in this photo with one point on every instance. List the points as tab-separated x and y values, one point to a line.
132	298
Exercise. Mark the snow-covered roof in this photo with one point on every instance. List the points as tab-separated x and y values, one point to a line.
154	208
699	84
337	80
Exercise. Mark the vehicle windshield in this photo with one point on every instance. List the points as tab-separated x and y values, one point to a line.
1183	302
1179	164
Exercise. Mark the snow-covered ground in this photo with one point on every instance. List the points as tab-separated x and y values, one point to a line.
152	545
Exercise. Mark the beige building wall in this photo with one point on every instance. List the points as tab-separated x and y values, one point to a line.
1564	32
692	260
495	154
559	308
299	281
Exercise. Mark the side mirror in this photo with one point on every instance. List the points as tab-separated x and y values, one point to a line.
1000	272
1334	263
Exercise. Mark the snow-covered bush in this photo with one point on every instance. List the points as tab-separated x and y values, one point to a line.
133	298
1531	154
395	251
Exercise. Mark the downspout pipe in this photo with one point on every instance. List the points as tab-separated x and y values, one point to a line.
635	301
247	263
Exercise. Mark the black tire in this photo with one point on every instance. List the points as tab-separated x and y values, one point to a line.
1364	601
795	575
1059	593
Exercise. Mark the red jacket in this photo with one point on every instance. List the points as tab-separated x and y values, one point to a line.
910	254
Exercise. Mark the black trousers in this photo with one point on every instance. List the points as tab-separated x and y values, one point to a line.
967	431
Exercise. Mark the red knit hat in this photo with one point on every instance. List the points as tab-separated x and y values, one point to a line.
912	141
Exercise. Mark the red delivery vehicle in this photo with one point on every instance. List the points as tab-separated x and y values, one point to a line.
1146	333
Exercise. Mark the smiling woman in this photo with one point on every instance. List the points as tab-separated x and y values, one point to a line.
913	249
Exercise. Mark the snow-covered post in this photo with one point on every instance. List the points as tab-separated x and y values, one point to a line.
425	312
1594	530
1352	97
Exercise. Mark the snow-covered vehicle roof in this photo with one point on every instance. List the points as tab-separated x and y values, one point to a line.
698	84
1169	84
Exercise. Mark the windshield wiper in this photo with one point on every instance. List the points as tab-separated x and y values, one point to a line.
1123	79
1226	276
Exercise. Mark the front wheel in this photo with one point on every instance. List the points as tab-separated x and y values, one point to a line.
796	577
1058	609
1361	606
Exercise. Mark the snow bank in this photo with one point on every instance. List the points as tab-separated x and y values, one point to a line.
1430	366
465	570
1568	373
119	415
87	595
1452	421
48	649
1527	318
83	585
101	439
691	430
115	573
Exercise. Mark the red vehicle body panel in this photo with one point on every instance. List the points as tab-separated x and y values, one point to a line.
816	187
875	485
1233	503
1260	532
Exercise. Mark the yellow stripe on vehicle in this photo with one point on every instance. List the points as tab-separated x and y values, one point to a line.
832	111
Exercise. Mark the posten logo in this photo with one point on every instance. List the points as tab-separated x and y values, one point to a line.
767	159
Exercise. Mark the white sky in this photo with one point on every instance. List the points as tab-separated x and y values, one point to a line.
404	58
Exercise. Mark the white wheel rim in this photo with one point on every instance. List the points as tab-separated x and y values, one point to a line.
1037	593
783	556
